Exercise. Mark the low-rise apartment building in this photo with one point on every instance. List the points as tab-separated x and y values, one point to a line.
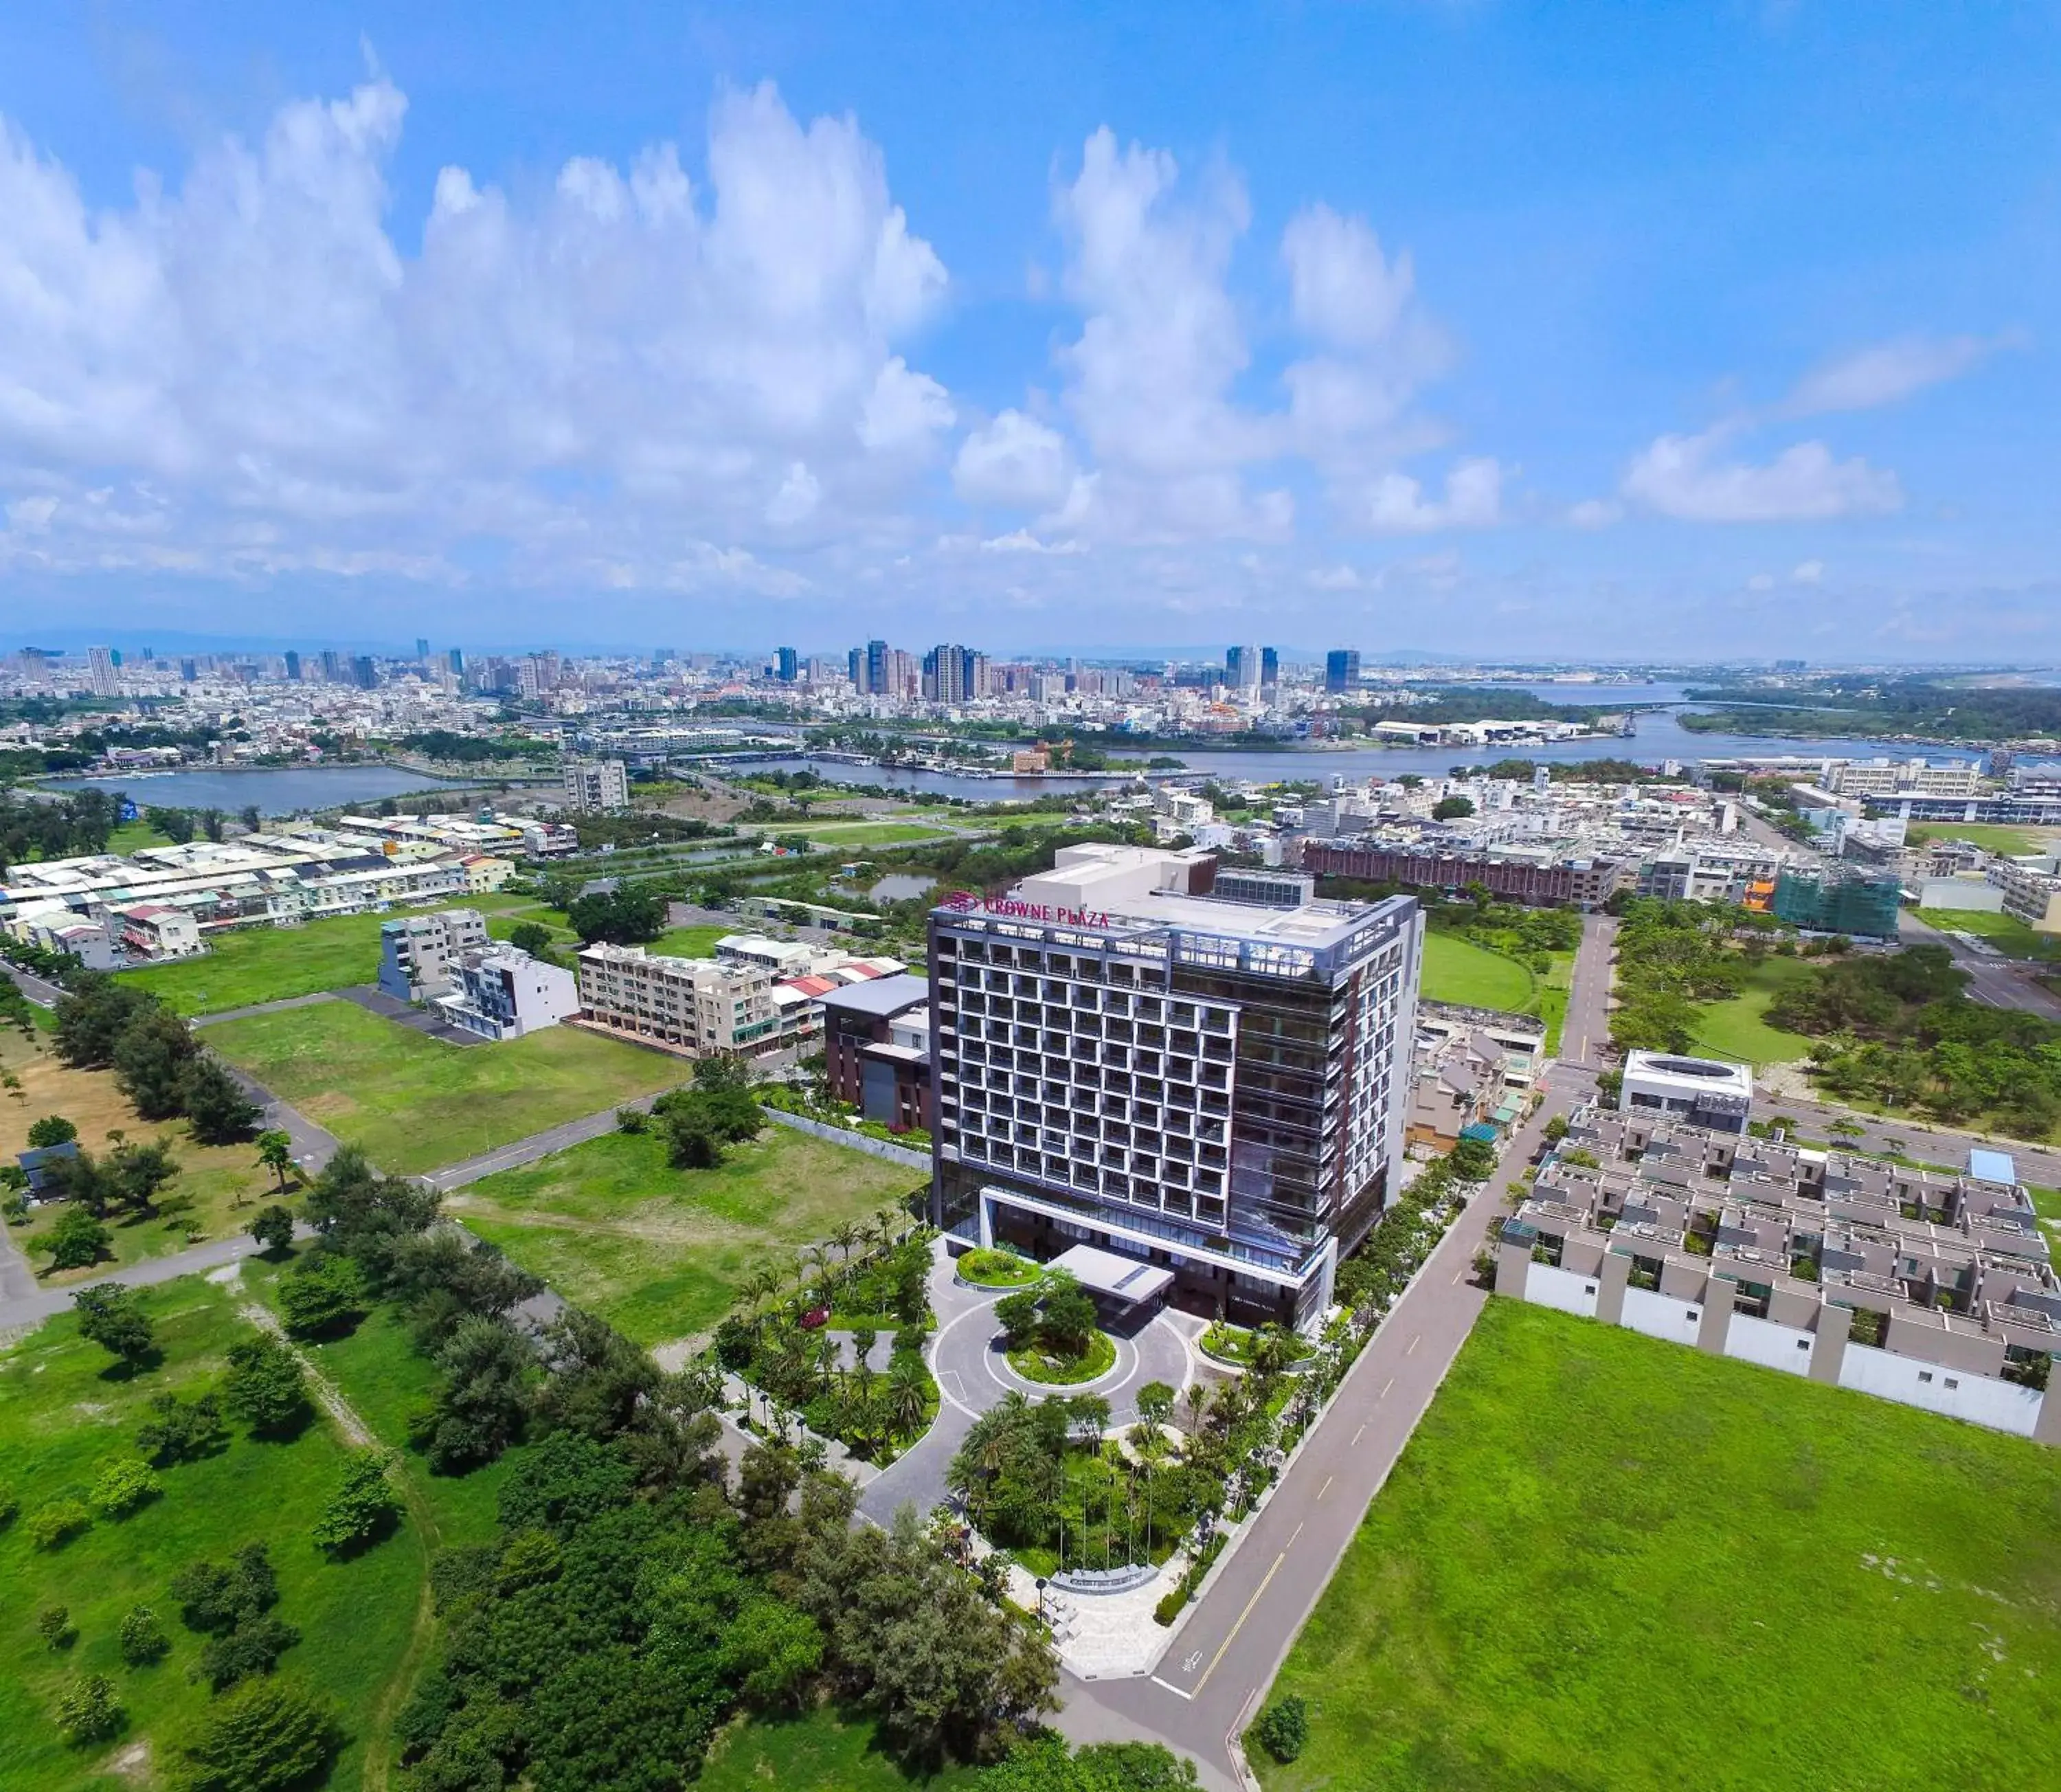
416	952
501	992
2031	891
596	784
877	1049
1472	1069
1582	883
1930	1288
697	1006
158	930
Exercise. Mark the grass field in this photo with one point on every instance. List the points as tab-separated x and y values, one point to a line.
60	1418
414	1103
270	963
691	942
2011	842
2007	932
1737	1028
1457	970
1608	1561
132	835
224	1182
660	1253
818	1751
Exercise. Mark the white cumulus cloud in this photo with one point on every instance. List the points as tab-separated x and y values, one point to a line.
1395	503
1886	372
1016	461
1684	477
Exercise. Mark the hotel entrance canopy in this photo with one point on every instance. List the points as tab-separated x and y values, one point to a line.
1113	1276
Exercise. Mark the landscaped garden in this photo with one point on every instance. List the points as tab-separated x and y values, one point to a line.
662	1252
414	1103
1265	1346
1553	1589
1050	1334
809	1341
990	1269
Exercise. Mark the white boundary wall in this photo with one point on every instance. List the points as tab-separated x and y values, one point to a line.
1561	1289
1772	1346
1980	1399
1660	1316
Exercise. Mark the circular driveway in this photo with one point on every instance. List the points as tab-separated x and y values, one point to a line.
973	1372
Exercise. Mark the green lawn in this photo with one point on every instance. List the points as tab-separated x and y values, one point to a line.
2007	932
660	1253
133	836
1736	1028
1457	970
60	1418
1605	1561
819	1751
414	1103
2011	842
269	964
691	942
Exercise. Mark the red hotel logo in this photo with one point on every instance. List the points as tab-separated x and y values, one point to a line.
966	902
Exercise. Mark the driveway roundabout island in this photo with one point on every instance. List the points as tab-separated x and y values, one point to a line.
973	1369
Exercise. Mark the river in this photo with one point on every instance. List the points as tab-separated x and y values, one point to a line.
292	789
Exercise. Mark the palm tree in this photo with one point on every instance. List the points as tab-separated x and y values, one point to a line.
844	1237
908	1394
275	1152
1198	1398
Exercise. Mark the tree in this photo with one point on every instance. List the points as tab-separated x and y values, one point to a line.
1154	1403
625	917
267	1735
1451	808
598	1377
123	1485
324	1293
273	1227
92	1015
135	1172
908	1394
77	1241
216	1107
55	1625
111	1317
363	1508
214	1597
275	1152
150	1061
251	819
1283	1728
181	1430
1017	1315
1472	1161
1069	1320
51	1129
266	1387
88	1710
772	1651
532	937
143	1638
55	1524
481	1401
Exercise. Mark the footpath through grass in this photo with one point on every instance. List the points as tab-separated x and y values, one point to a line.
1604	1560
62	1417
660	1253
414	1103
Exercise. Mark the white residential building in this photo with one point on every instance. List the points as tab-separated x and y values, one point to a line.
695	1006
501	992
596	784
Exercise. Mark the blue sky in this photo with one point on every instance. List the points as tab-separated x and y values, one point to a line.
1700	331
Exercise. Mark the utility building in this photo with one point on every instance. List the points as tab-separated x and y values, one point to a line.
1124	1059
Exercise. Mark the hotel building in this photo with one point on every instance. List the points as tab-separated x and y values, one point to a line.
1121	1058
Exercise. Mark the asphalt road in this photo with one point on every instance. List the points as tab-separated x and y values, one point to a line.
1224	1658
1585	1034
1999	981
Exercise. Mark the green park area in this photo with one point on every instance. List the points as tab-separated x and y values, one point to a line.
1605	1561
1457	970
2007	932
1737	1028
65	1415
817	1750
270	963
660	1253
692	942
414	1103
2011	842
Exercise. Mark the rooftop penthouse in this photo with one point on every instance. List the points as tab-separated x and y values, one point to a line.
1917	1285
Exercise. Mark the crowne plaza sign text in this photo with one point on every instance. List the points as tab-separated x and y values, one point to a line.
966	902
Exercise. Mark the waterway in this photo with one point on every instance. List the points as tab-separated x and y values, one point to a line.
293	790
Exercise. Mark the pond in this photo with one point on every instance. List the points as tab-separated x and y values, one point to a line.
292	789
902	886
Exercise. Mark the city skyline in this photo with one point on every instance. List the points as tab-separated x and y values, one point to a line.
669	335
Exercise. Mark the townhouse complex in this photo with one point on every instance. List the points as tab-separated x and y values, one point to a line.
1123	1058
1929	1289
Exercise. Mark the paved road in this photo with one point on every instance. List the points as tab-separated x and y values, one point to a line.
538	1144
1227	1654
1999	981
1585	1034
42	994
1916	1139
315	1001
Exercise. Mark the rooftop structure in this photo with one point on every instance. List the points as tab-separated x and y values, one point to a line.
1702	1091
1921	1286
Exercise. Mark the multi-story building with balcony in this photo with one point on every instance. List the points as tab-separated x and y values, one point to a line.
416	952
1220	1087
697	1006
